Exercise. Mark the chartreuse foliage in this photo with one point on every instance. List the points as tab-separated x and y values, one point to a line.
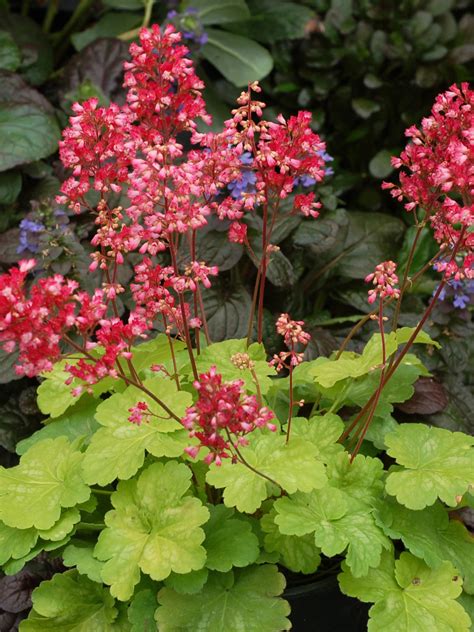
436	464
153	538
408	595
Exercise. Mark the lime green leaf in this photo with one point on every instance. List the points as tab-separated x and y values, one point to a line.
229	541
409	596
13	566
15	543
325	513
357	532
77	422
220	354
156	351
467	602
437	464
301	514
360	480
292	465
114	410
55	396
327	372
431	536
141	612
323	432
47	478
239	59
189	583
118	449
62	527
71	602
80	554
238	601
299	554
153	529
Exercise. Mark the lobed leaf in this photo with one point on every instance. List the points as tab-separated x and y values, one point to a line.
154	528
48	478
241	601
436	463
294	466
409	596
71	602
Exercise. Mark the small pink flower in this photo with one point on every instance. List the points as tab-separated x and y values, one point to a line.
222	416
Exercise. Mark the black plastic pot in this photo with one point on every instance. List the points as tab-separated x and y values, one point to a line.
319	606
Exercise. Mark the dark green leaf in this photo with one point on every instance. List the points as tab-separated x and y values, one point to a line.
365	107
371	238
274	21
141	612
227	313
10	186
36	52
324	234
239	59
213	246
438	7
380	166
28	127
219	11
10	56
109	25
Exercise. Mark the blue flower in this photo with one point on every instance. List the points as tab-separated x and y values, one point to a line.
461	301
29	232
246	183
458	292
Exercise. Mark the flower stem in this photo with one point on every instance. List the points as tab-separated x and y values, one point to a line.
379	389
404	283
126	379
394	366
290	411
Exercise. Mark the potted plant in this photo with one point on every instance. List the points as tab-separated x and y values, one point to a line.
180	479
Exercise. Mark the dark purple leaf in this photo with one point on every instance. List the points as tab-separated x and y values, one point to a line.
10	621
15	591
101	62
429	397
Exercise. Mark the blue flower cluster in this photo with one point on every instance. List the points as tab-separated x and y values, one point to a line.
30	231
460	293
33	227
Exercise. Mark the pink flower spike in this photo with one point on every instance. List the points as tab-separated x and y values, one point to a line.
384	279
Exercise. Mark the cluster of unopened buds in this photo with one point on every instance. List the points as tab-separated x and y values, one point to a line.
293	335
221	417
384	280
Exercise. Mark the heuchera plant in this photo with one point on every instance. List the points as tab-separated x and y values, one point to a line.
178	478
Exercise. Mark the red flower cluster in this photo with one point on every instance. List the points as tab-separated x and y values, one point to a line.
438	176
293	334
384	279
222	416
34	325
